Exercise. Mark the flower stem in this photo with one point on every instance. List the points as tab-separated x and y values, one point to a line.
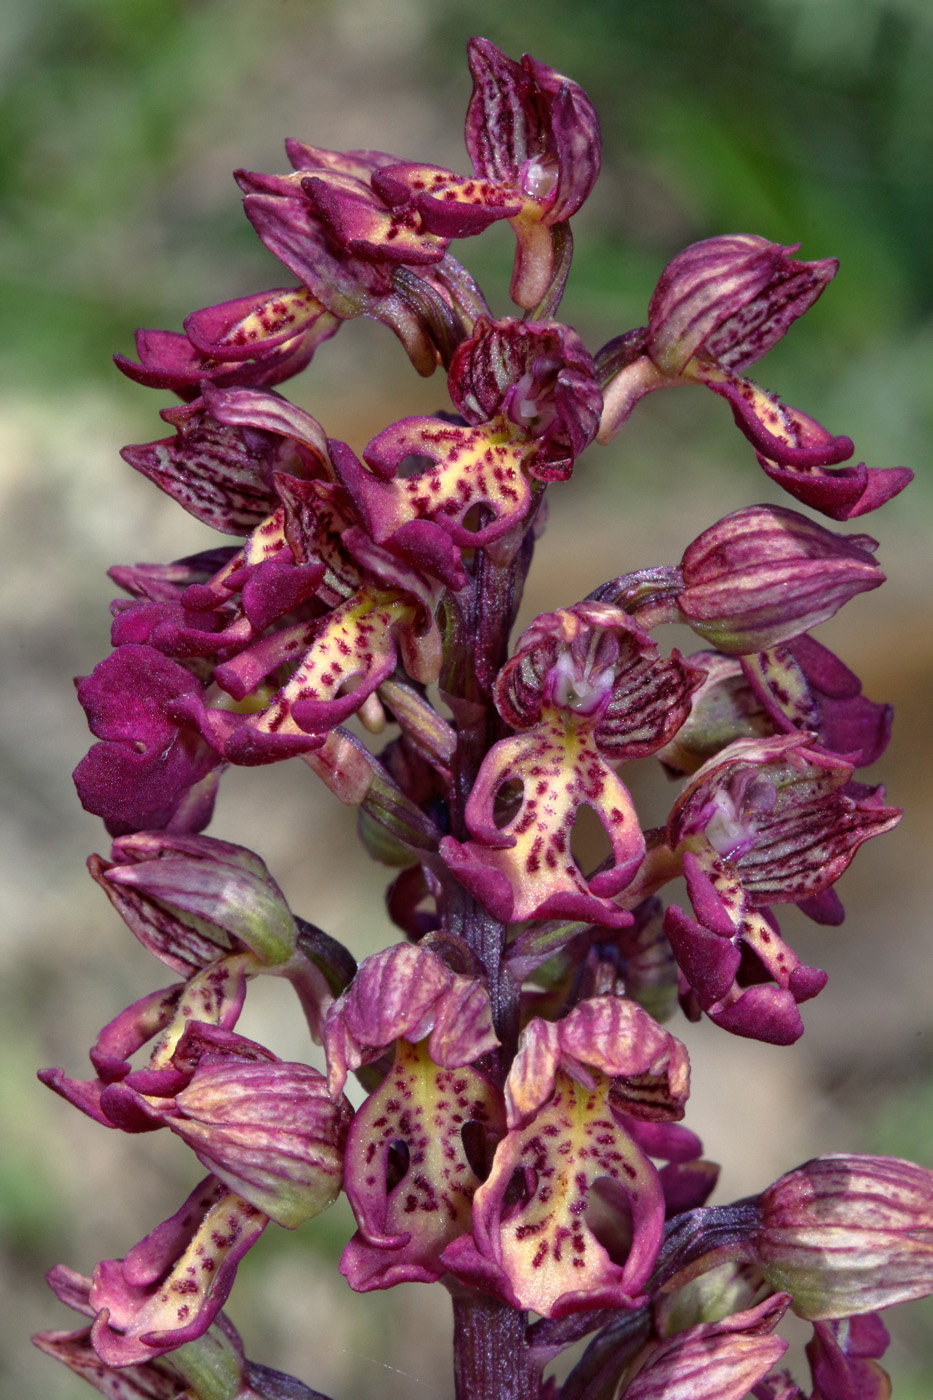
491	1360
491	1357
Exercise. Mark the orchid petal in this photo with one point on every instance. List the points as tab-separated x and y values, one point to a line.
171	1286
478	466
425	1110
533	873
407	993
542	1248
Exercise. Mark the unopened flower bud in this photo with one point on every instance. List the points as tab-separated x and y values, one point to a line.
730	299
846	1235
765	574
269	1131
207	886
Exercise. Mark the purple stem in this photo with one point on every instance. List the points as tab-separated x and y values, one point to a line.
491	1356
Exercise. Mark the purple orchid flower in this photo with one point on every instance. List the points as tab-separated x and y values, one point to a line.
257	340
764	822
431	1098
566	1093
718	307
533	137
362	254
531	404
766	574
149	771
586	685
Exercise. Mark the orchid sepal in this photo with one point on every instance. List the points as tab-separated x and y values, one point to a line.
407	993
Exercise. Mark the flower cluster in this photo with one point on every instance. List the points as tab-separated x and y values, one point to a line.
519	1136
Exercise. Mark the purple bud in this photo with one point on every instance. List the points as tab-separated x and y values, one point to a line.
713	1361
847	1235
531	128
765	574
222	892
730	299
269	1131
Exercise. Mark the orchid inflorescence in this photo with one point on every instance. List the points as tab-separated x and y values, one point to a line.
519	1140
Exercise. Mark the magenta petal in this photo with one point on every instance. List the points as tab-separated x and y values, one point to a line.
648	1068
362	223
470	466
491	887
193	899
447	204
430	550
762	1013
558	763
542	1243
84	1094
239	740
802	442
803	686
670	1142
171	1286
268	1130
348	286
825	908
132	1029
843	494
470	1266
260	322
806	982
765	574
843	1358
687	1185
846	1234
167	360
141	775
709	961
707	903
530	127
496	124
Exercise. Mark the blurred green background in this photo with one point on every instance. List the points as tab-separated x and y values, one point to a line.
120	121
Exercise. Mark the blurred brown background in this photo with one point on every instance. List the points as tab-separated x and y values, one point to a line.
119	126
